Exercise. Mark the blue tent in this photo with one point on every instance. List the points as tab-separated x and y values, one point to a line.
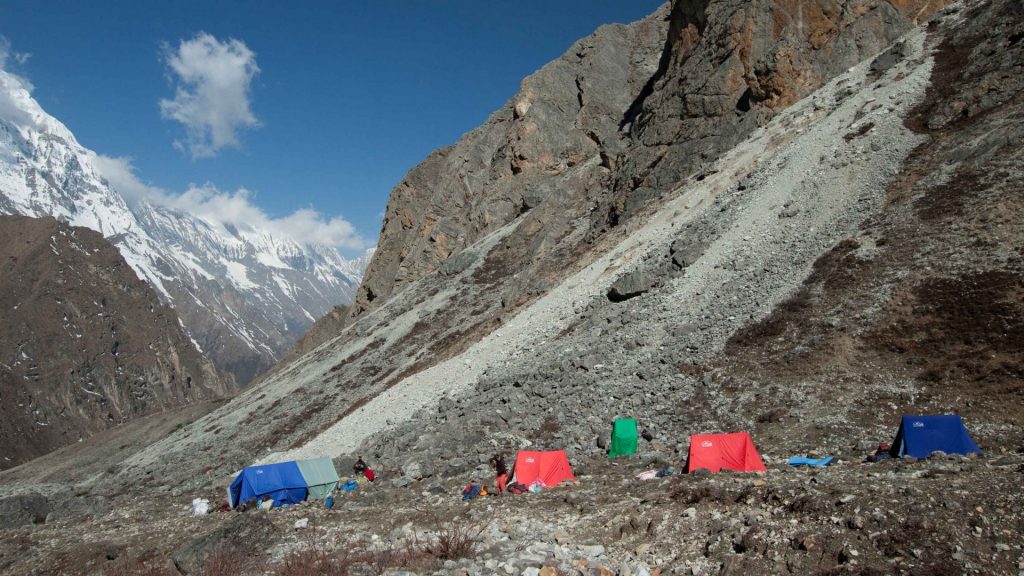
919	436
284	483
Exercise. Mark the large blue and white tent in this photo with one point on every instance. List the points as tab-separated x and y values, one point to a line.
285	483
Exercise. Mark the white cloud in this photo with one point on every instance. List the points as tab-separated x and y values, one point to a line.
6	53
220	209
14	88
120	174
212	96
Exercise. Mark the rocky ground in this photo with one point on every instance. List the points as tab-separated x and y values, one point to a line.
856	258
942	515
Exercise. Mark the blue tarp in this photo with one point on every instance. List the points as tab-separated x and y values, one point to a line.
919	436
817	463
282	482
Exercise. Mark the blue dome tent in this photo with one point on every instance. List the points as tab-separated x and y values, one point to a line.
919	436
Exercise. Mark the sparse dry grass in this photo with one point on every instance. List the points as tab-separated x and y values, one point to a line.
457	538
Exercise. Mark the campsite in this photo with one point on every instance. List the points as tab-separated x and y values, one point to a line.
571	288
598	518
846	514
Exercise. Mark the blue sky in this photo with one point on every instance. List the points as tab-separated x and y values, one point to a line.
342	97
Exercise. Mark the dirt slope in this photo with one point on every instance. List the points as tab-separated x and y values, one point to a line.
85	344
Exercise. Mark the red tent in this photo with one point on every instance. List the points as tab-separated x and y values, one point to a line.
734	451
550	467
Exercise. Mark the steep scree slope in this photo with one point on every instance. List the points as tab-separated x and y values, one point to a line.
854	258
509	285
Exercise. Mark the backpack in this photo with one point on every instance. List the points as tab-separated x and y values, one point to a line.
516	488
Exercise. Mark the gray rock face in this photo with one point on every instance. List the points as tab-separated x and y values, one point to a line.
619	121
23	509
630	285
685	254
544	150
417	469
727	68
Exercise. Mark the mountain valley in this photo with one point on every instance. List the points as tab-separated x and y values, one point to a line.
794	219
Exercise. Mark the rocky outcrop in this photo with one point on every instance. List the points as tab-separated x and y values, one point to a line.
326	327
84	344
618	122
548	147
729	67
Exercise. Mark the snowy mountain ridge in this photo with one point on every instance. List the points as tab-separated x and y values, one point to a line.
244	294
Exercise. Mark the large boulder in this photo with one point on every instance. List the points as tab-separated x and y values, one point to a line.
23	509
630	285
417	469
239	537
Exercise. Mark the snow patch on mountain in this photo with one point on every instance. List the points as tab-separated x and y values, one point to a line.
237	273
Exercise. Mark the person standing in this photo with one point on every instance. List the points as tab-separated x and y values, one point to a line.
500	472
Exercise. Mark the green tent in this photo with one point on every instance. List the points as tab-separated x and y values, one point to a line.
320	475
624	438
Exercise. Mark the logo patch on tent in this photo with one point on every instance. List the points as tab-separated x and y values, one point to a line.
918	424
530	460
707	444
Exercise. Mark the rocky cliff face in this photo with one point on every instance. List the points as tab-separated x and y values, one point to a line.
729	67
480	240
85	344
616	123
549	147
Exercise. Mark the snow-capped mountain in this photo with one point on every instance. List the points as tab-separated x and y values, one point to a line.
244	295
